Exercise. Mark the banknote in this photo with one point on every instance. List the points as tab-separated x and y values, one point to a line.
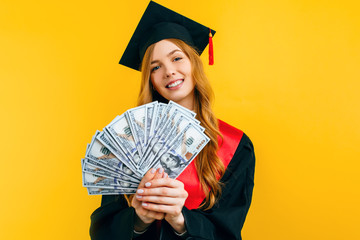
104	157
105	191
156	120
95	169
106	139
151	111
98	152
179	153
121	132
149	136
136	120
163	131
165	115
174	105
174	125
91	166
94	180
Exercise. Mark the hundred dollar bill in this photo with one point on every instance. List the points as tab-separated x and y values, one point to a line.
186	111
121	132
98	152
110	143
103	156
176	126
171	121
91	166
151	110
158	140
109	172
105	191
158	146
158	113
170	109
94	180
173	126
136	120
181	151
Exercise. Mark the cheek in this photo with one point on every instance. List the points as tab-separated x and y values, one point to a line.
155	79
187	67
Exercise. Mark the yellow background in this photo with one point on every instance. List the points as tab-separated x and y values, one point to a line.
286	73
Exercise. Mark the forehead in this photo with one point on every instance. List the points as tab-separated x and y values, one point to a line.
162	49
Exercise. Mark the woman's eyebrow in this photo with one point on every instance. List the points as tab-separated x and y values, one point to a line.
168	55
173	51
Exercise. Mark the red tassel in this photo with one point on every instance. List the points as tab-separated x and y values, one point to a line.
211	49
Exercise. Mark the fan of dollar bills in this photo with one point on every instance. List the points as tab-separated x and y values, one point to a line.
149	136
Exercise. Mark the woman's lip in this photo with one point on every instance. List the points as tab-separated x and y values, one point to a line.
181	81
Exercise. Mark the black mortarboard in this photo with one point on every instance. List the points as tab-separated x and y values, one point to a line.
158	23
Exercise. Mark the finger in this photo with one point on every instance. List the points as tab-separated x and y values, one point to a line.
155	215
164	182
162	191
135	203
147	177
159	173
146	213
166	209
148	216
161	200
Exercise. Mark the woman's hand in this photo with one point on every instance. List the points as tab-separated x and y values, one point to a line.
145	217
165	195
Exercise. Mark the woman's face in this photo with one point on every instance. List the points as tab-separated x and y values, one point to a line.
170	73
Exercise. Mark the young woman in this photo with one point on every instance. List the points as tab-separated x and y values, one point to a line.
211	197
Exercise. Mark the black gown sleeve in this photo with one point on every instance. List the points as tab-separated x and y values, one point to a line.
225	220
115	220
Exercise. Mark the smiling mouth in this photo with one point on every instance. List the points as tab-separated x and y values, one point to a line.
175	83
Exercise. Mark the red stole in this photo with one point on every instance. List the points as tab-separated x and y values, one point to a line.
227	148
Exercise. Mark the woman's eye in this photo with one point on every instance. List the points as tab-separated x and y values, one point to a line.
155	68
177	59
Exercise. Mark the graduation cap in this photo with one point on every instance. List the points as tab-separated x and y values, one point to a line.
158	23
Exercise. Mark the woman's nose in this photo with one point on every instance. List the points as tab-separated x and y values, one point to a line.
169	71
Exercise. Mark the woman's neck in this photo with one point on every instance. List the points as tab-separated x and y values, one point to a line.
187	102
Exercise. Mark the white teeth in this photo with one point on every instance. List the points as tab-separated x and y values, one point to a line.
174	84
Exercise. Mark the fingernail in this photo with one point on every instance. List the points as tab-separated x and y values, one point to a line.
138	196
140	191
147	184
165	175
153	170
144	204
161	170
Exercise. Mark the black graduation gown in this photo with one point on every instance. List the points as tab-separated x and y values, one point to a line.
114	219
